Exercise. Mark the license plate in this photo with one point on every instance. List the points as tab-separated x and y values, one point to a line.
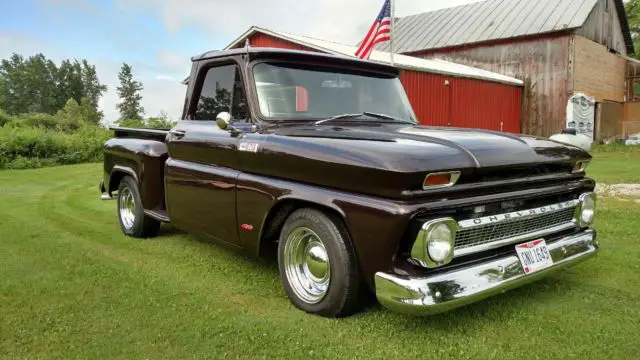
534	256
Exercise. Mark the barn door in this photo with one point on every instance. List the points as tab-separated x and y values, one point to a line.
609	116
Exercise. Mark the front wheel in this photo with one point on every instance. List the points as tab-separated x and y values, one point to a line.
131	217
318	265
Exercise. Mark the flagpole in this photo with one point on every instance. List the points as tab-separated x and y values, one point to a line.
393	34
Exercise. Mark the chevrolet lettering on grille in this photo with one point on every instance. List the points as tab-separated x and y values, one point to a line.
517	215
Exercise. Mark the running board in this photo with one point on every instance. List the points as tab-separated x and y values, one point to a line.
158	215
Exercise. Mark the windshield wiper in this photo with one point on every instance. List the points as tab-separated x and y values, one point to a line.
366	113
339	117
387	117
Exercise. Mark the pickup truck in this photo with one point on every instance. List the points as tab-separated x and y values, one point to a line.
323	157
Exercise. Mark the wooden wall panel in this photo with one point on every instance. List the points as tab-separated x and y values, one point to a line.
609	122
630	128
597	72
603	26
632	111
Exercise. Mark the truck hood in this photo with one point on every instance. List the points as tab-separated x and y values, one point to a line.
396	155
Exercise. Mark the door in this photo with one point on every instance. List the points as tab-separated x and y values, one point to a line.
609	116
202	168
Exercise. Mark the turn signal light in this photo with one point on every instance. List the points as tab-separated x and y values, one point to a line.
441	179
580	166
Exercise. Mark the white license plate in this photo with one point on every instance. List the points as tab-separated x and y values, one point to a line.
534	256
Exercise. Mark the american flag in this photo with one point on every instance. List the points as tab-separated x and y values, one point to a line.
380	31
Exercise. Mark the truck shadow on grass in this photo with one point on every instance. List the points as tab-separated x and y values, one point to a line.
515	303
494	309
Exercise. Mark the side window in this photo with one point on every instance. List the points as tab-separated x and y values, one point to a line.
239	101
221	91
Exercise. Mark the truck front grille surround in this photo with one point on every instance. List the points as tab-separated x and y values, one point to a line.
475	235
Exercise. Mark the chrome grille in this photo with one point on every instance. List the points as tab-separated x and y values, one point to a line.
506	228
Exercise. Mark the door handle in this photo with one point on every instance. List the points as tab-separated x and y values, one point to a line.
177	133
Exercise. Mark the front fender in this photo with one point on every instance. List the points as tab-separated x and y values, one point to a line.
375	225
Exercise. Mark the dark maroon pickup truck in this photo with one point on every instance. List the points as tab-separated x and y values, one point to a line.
323	155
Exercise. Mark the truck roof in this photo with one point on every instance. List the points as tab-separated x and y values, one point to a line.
297	54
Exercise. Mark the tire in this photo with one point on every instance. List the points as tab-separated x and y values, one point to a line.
314	249
131	217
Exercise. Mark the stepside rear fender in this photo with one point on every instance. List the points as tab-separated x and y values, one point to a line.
141	159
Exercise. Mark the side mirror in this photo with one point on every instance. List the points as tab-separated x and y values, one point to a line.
223	120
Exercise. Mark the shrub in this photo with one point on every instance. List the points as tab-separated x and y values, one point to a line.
161	121
30	147
45	121
5	119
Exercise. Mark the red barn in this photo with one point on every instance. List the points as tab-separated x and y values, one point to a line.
559	48
442	93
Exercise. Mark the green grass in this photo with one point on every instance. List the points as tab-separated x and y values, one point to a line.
615	164
71	286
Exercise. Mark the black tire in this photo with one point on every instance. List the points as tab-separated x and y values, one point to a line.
142	226
344	282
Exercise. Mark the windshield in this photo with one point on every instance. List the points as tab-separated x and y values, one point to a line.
290	91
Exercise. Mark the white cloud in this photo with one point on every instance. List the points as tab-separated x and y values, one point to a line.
23	45
337	20
166	78
174	60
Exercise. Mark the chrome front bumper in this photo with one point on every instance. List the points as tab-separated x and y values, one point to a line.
446	291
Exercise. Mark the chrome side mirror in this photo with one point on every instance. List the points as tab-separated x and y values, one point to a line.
223	120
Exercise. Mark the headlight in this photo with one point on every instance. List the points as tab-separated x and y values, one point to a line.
587	210
434	244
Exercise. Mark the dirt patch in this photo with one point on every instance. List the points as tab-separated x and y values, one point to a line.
619	190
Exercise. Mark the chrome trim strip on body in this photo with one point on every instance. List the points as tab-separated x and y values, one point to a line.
445	291
514	217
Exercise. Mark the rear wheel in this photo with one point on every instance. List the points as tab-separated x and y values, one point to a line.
318	265
131	217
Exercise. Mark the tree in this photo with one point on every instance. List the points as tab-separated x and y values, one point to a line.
38	85
71	116
93	91
70	85
161	121
14	93
632	8
129	93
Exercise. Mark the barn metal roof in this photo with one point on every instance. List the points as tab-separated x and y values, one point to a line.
493	20
400	61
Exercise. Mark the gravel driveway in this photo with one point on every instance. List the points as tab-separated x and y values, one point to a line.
619	190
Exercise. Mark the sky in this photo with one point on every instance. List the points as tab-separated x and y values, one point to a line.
158	37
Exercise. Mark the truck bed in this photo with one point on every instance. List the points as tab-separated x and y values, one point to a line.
139	133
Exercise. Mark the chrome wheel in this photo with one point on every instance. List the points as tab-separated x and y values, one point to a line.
306	264
127	208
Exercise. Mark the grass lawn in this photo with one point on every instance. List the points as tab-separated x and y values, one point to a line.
71	286
615	164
